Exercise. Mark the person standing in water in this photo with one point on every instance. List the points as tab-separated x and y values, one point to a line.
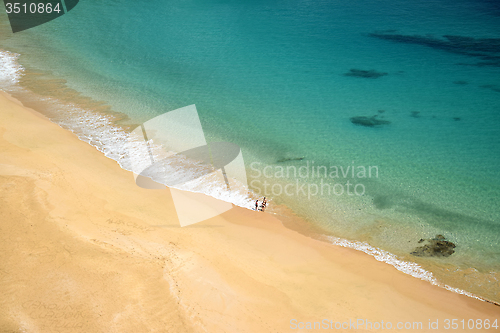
264	204
256	204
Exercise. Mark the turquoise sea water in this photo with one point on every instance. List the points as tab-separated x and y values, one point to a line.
269	76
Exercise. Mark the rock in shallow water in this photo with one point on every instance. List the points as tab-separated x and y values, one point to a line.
435	247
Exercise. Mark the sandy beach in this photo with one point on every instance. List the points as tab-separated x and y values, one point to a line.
83	249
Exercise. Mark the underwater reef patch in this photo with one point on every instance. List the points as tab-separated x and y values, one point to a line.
288	159
486	49
367	74
491	87
372	121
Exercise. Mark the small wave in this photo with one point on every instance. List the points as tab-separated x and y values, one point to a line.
214	186
187	174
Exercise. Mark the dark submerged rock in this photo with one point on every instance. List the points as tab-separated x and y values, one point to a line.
435	247
415	114
371	74
281	160
368	121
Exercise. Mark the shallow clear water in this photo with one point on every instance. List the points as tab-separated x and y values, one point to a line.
269	76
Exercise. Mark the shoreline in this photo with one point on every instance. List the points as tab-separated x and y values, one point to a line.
81	241
107	119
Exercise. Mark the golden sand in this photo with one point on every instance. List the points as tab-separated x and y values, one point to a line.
83	249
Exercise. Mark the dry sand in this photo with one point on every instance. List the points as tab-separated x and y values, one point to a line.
83	249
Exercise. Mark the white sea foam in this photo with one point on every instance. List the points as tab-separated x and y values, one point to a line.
212	185
100	131
409	268
10	69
